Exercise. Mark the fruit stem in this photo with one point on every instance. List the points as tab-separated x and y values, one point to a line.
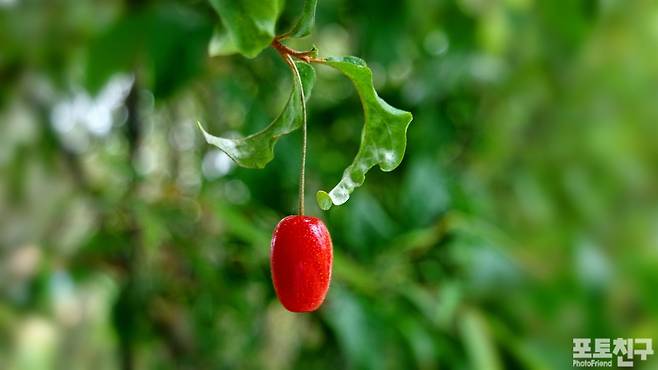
302	171
309	57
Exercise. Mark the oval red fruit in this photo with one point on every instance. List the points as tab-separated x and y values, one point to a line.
300	257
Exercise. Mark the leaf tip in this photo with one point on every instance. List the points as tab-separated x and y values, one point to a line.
324	200
203	131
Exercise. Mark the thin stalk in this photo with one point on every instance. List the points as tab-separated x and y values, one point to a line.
302	172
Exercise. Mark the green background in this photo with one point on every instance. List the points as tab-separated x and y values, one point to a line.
524	214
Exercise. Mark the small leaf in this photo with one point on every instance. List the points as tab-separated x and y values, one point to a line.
250	24
306	22
256	150
384	136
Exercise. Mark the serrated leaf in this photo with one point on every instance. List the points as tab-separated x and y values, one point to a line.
250	24
384	135
256	150
306	21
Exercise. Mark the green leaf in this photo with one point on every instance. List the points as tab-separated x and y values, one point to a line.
475	333
306	22
256	150
177	48
167	43
250	24
384	135
221	43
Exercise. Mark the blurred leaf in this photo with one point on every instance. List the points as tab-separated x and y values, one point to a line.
177	48
478	341
250	23
383	140
152	39
256	150
346	270
116	50
425	192
221	43
241	226
366	224
351	321
522	349
419	338
306	22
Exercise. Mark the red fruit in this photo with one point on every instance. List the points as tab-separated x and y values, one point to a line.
300	259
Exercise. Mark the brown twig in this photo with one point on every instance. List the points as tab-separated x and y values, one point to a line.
285	51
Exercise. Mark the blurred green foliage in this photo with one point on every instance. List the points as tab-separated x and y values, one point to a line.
524	214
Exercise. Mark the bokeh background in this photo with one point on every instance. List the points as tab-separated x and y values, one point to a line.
524	214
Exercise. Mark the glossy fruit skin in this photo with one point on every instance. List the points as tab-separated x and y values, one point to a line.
301	256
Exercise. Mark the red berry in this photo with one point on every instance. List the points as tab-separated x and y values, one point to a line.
300	259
